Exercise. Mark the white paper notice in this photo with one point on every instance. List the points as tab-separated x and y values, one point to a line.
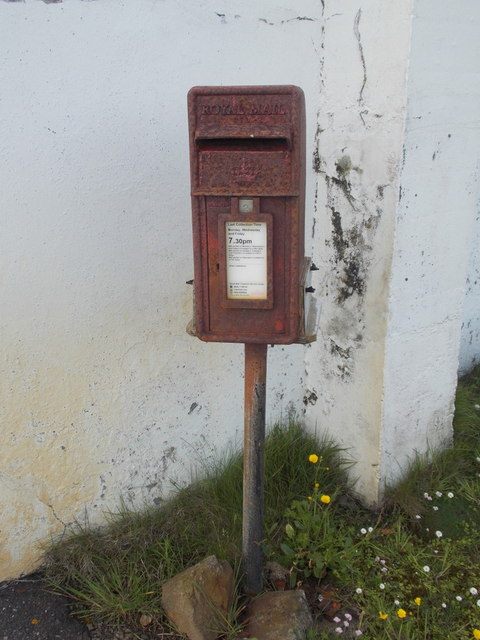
246	260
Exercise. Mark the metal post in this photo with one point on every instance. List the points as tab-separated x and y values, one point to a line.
253	464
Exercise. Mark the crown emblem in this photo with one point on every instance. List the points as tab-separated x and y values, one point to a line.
247	172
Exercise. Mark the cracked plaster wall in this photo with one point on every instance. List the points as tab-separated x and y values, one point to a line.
470	335
104	394
397	165
360	124
434	231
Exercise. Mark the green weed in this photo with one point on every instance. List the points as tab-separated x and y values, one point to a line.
114	573
408	572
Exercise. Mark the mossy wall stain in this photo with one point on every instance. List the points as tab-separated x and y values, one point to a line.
354	217
351	245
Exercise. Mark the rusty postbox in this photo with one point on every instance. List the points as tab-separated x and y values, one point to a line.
247	159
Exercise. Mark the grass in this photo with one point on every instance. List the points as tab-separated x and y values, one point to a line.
114	573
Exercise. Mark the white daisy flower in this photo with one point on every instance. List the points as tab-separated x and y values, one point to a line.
339	629
439	534
426	568
358	590
458	598
473	591
363	531
444	605
439	494
336	619
435	508
450	494
381	585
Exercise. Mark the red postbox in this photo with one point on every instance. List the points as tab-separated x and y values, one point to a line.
247	159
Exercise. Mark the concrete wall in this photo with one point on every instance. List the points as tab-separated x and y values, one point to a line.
106	395
470	336
397	161
359	138
438	194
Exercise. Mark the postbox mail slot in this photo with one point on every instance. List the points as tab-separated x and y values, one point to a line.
243	144
232	132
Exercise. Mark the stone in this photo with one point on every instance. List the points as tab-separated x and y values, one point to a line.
193	599
279	615
277	575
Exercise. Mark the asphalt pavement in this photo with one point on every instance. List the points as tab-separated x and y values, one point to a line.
28	611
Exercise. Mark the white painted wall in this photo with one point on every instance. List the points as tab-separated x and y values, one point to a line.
439	191
398	141
360	134
470	336
106	395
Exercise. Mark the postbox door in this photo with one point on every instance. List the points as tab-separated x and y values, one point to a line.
266	311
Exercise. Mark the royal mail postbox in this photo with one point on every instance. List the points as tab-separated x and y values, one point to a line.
247	157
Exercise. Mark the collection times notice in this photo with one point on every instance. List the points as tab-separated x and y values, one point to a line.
246	248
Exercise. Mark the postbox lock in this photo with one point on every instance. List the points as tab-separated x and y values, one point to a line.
245	205
310	289
189	282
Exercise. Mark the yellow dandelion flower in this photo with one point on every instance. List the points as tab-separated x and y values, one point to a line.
476	634
309	498
401	613
35	621
382	615
418	601
313	458
325	499
317	485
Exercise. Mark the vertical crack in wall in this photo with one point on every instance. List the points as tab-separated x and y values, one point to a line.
316	165
356	31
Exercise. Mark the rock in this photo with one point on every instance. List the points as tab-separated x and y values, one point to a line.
277	575
145	620
279	615
193	599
